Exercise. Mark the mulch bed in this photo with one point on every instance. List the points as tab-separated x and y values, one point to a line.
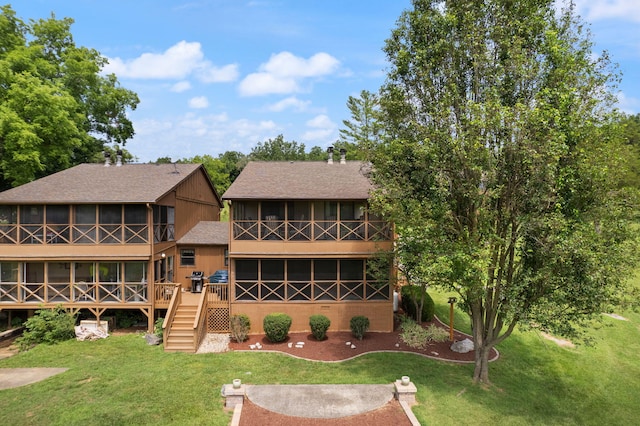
335	348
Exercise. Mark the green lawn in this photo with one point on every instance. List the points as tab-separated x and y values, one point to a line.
121	380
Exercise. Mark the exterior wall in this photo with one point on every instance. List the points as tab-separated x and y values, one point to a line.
195	201
380	314
208	260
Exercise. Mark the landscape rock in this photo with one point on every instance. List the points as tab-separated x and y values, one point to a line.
462	346
152	339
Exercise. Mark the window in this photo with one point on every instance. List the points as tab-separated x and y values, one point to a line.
246	270
58	215
135	214
85	214
59	272
8	272
226	257
31	214
187	257
273	270
135	272
8	214
110	214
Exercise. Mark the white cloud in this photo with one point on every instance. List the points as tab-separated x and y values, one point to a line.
290	102
181	86
284	72
178	62
212	74
322	129
594	10
198	102
194	134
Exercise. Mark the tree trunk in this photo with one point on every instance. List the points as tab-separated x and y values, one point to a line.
481	372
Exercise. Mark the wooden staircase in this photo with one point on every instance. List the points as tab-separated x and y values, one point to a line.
182	336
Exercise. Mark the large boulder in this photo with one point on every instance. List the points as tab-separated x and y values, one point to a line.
462	346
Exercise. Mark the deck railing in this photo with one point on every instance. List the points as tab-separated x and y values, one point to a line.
74	234
297	230
66	292
301	291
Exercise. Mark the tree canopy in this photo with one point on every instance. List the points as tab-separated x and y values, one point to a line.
501	149
56	109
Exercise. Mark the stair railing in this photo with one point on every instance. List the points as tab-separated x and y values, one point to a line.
200	321
176	300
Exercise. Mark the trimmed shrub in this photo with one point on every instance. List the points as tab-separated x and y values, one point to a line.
319	325
240	326
47	326
276	326
410	295
359	326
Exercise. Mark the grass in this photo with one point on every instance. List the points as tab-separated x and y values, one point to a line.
121	380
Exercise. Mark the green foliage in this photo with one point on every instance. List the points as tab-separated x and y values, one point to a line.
56	108
278	149
47	326
126	318
319	325
411	300
240	326
417	336
276	326
157	327
17	322
501	165
364	128
359	326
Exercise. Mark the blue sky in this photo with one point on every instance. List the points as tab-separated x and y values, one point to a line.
219	75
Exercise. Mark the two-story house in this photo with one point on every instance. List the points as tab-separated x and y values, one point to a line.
302	242
108	237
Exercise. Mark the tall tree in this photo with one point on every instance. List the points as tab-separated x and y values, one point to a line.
56	110
363	128
500	143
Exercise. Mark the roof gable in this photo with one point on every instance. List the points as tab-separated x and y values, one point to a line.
95	183
293	180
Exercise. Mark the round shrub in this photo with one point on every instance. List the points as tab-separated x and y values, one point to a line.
319	325
240	326
276	326
410	295
359	326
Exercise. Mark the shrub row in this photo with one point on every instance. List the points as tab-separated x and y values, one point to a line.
276	326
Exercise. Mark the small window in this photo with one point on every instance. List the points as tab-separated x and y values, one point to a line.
187	257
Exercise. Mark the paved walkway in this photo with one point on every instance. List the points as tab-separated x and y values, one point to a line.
320	401
15	377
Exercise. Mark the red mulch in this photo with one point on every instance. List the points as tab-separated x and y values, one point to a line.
334	347
390	414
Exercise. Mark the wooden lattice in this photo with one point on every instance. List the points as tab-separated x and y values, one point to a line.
218	320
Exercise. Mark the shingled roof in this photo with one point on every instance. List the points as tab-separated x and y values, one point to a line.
207	233
306	180
95	183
